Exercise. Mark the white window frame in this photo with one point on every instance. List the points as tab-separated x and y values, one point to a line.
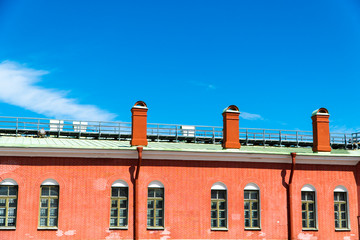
341	188
221	186
253	187
311	188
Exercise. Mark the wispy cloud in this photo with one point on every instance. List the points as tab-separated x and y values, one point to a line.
18	87
201	84
343	129
251	116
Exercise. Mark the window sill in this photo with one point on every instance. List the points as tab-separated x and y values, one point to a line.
7	228
310	229
118	228
342	229
253	229
219	229
48	228
155	228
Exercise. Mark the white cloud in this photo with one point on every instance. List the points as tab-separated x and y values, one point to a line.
18	87
250	116
201	84
343	129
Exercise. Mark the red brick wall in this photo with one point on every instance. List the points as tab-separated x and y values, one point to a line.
85	184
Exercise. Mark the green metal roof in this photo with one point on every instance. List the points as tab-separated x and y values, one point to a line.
30	142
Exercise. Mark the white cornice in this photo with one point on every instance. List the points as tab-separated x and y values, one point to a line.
179	155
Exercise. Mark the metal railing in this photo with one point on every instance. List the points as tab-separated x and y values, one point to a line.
168	132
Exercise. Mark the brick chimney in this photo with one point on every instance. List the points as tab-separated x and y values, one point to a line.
138	124
231	128
321	132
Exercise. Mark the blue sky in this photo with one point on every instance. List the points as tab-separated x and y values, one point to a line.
188	60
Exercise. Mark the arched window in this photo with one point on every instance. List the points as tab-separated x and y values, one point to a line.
8	203
308	207
341	208
49	204
218	206
119	204
155	205
252	206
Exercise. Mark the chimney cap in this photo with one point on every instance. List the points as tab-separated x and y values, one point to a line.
320	111
231	108
140	104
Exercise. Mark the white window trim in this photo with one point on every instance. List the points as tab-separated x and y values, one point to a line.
156	184
120	183
50	182
8	182
219	186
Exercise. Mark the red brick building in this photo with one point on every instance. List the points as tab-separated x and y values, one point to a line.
68	188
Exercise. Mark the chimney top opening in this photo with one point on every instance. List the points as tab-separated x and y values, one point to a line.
320	111
231	108
140	104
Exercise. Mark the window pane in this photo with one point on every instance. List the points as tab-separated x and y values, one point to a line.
114	212
123	212
304	215
222	205
336	207
343	215
53	202
150	213
213	194
123	222
213	205
336	215
44	202
11	212
336	196
2	202
124	192
222	223
254	214
53	222
311	215
159	204
12	191
342	196
213	223
254	195
3	190
336	224
254	205
43	212
342	207
247	222
222	214
45	191
11	222
311	224
150	222
113	203
114	192
159	222
221	194
123	203
214	214
303	196
113	222
159	192
255	223
12	202
303	206
159	213
151	192
310	196
43	222
2	212
247	214
246	195
311	207
150	203
246	205
53	212
344	224
54	191
2	221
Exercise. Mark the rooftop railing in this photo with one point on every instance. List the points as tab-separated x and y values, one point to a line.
167	132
